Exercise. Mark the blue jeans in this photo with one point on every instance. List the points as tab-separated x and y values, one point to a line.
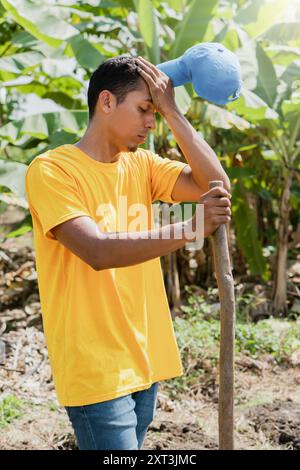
118	424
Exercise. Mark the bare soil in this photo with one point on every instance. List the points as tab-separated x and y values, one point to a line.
267	414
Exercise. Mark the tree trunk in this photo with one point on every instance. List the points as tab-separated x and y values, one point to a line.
279	295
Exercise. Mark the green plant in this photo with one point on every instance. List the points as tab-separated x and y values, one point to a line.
280	338
11	408
53	406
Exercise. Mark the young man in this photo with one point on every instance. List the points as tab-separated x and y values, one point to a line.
106	318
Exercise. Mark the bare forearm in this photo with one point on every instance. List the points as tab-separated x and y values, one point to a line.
202	159
137	247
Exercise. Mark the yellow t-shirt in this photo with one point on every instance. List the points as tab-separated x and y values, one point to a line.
108	333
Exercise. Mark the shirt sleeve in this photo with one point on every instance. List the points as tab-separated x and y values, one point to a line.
53	195
164	174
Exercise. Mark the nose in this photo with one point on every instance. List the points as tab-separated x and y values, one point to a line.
150	121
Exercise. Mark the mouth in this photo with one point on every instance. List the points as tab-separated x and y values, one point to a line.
142	137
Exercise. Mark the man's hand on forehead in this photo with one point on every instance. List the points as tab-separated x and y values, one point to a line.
159	84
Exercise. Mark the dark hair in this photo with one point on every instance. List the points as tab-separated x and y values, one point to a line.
118	75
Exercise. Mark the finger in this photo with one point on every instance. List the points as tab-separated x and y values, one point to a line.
222	219
157	72
148	64
146	68
146	76
222	201
213	202
219	191
223	211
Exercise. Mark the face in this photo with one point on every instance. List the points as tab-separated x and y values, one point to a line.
129	122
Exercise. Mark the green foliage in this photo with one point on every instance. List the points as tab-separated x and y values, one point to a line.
43	126
39	20
11	408
49	49
280	338
247	231
267	81
194	26
12	175
149	27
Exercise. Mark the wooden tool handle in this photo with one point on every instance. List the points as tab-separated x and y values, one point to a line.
227	319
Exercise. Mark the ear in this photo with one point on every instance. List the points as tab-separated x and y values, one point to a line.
107	102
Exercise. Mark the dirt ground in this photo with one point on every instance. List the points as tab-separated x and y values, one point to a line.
267	399
267	414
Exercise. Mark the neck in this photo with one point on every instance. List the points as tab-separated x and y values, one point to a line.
97	146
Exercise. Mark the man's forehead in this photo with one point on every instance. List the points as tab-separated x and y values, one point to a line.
148	99
143	95
143	92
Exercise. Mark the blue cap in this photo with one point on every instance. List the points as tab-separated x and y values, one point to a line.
213	69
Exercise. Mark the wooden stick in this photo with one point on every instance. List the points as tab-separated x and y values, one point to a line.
227	317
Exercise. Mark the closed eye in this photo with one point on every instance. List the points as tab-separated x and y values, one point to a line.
143	110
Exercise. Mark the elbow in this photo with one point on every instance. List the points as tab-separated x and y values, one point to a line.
95	264
97	267
100	265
